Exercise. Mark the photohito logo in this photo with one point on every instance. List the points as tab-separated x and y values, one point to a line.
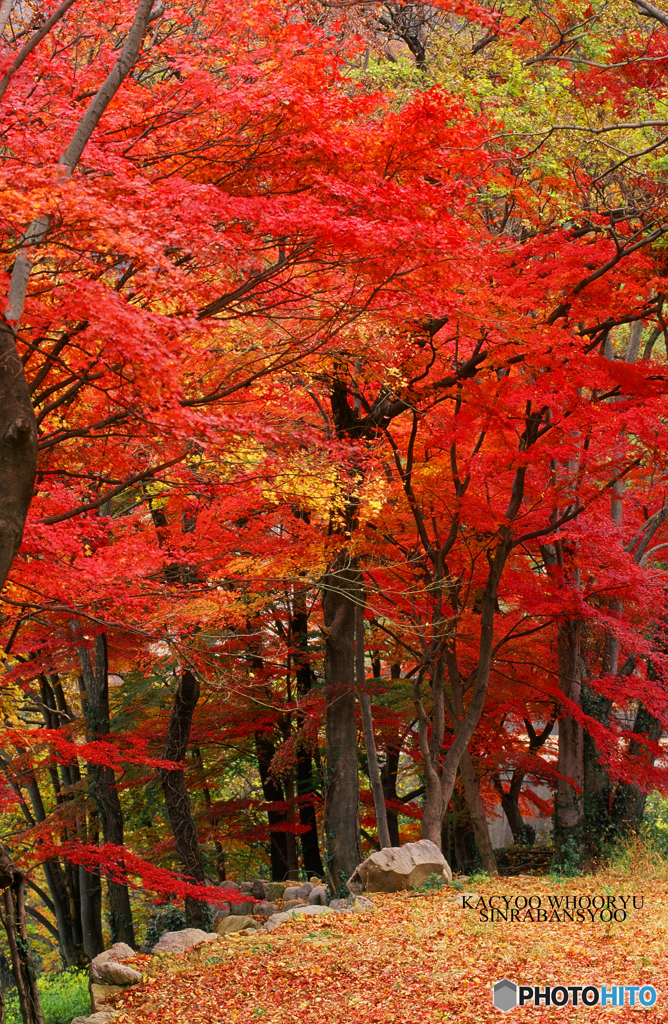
508	995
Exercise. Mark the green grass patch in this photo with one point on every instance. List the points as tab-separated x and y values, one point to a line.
64	996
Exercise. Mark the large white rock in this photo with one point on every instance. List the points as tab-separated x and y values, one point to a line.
179	942
399	867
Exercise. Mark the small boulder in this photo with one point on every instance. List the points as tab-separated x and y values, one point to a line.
258	889
291	904
317	896
247	887
360	904
232	925
314	880
118	952
304	890
229	884
100	994
275	920
399	867
273	891
218	911
179	942
113	973
243	909
459	899
338	905
265	909
291	892
308	911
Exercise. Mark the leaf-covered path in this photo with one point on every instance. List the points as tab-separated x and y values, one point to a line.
420	959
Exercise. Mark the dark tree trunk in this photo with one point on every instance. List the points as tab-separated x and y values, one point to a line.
388	777
629	800
176	794
457	835
18	450
306	791
367	727
477	813
570	763
273	794
89	882
101	780
510	799
342	819
55	876
510	802
389	773
56	712
90	887
13	915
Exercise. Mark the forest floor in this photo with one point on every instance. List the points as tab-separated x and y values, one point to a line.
421	958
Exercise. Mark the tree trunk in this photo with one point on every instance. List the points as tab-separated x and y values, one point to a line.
629	800
176	794
471	790
290	837
306	791
90	887
568	798
477	812
523	834
101	781
18	449
388	777
54	875
13	915
273	794
342	819
367	725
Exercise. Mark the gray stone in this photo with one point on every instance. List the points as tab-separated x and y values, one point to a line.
360	904
113	973
304	890
243	908
100	994
258	890
218	911
266	909
275	920
247	887
118	952
291	892
179	942
291	904
231	925
399	867
308	911
229	884
338	905
459	898
273	891
317	896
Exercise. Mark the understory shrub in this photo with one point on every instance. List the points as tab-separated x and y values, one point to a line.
64	996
